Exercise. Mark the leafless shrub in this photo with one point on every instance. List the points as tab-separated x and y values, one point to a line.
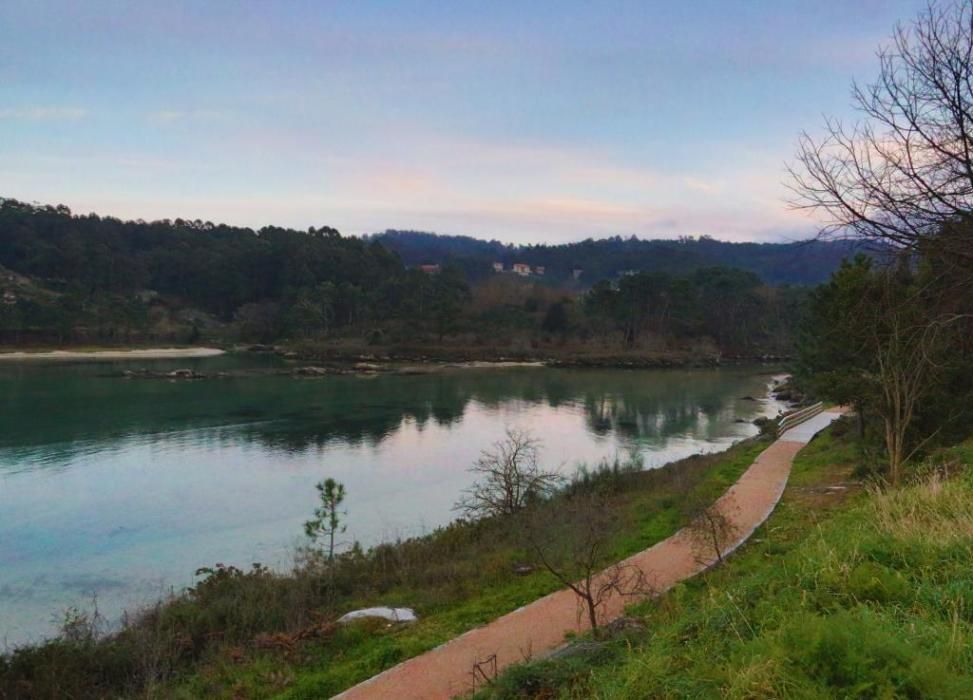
711	528
571	540
510	478
484	671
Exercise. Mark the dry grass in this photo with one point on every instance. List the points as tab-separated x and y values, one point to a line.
937	511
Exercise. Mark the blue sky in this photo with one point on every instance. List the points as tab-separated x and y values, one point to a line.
527	122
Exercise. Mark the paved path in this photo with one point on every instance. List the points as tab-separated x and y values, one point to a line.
446	671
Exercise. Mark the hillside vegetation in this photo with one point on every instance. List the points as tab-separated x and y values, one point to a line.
87	279
259	634
796	263
846	591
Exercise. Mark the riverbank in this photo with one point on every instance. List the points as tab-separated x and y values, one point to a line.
255	633
113	355
543	625
845	592
298	370
548	355
406	359
319	359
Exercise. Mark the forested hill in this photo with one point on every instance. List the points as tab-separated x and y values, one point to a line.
214	267
66	277
803	263
85	278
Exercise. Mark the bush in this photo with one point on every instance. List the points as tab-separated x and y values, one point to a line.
873	582
854	654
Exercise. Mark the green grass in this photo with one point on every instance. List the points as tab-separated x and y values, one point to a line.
259	634
651	502
843	593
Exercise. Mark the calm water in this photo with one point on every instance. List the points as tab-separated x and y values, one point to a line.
119	489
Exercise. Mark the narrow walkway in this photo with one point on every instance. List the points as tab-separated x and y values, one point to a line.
446	671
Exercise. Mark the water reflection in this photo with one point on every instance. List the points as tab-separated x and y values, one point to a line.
122	487
54	414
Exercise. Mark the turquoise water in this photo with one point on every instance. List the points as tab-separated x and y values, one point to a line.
114	491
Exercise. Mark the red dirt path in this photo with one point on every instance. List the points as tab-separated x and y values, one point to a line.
446	671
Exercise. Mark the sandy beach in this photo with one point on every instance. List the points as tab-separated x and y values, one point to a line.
142	354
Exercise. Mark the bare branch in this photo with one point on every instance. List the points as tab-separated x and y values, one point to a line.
570	539
905	170
510	478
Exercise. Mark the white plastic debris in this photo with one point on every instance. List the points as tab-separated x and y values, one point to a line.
390	614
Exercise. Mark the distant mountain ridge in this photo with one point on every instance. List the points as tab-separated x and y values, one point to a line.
800	263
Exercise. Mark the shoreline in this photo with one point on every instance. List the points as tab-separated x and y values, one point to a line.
137	354
543	624
710	447
114	622
466	357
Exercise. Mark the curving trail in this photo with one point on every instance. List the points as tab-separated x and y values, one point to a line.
446	671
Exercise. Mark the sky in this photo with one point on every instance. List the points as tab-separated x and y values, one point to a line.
521	121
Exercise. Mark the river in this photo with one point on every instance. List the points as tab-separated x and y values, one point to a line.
114	491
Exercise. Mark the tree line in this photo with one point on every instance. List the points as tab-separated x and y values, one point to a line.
797	263
75	278
103	276
892	337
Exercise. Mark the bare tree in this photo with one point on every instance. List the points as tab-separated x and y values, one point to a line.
510	478
571	540
903	174
907	339
711	529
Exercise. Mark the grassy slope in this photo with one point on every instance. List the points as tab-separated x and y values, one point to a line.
842	593
486	591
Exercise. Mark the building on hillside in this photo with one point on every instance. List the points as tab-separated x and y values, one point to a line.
430	269
539	270
522	269
498	267
577	272
627	273
9	298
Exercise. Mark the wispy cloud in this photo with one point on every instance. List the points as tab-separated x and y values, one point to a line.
172	116
43	113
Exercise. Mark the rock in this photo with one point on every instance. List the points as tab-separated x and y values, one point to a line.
585	648
366	367
622	625
310	371
391	614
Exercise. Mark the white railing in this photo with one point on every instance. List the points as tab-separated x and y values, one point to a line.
798	417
